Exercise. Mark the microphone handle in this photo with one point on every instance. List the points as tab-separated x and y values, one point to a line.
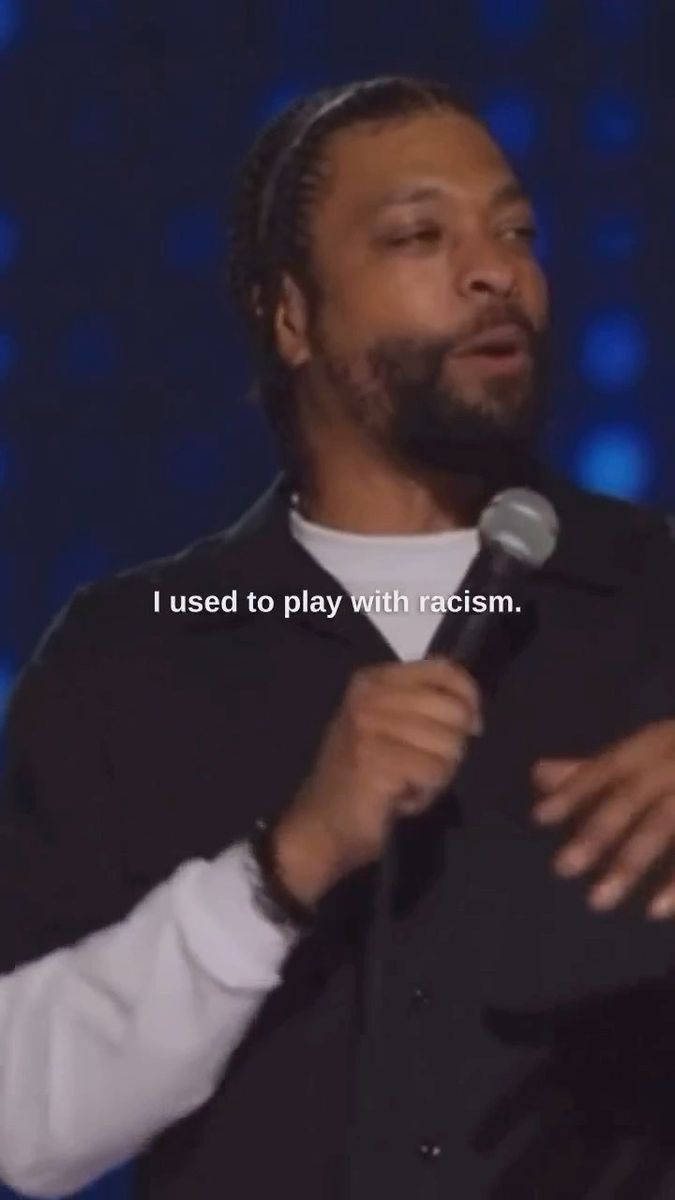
494	572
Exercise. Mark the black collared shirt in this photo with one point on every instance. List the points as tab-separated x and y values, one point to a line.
530	1040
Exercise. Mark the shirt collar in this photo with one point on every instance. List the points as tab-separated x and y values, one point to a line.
587	553
259	553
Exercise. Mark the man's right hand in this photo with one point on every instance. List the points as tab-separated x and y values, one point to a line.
394	744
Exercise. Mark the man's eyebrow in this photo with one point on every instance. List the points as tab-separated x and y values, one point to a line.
404	193
508	193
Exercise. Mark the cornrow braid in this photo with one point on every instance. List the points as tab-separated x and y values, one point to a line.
279	180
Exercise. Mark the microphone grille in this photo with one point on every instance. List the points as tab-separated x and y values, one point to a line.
521	522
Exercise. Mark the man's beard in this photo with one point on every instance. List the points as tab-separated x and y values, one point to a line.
422	421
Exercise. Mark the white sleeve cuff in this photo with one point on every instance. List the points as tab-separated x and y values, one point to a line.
222	925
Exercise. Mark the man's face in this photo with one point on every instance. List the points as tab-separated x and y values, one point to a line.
429	328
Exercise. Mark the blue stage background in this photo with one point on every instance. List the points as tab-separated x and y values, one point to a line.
125	431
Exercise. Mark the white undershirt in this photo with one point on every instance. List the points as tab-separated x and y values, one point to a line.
431	564
143	1017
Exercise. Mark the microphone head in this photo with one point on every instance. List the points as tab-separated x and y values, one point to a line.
521	522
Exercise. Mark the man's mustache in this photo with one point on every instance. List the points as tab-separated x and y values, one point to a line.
494	317
414	361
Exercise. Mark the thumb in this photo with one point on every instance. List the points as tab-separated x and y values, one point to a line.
550	773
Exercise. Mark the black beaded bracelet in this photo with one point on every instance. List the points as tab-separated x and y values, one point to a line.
273	897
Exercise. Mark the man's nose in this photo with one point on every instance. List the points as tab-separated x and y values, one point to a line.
487	273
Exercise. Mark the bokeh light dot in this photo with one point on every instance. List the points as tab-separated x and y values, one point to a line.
614	351
10	22
274	101
616	460
613	122
512	120
511	20
615	236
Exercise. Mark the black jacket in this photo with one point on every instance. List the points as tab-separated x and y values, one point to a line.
530	1042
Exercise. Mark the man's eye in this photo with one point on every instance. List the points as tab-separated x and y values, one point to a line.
425	235
521	233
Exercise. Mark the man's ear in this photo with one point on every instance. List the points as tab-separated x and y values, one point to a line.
291	324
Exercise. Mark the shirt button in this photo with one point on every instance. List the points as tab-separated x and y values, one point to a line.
429	1151
419	998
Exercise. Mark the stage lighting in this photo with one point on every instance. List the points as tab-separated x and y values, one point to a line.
615	236
616	460
274	102
614	351
613	122
512	120
10	21
511	20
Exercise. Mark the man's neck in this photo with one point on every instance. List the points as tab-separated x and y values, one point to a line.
357	491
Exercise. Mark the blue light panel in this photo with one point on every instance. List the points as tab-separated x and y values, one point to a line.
615	236
512	120
613	122
511	20
616	460
10	21
614	351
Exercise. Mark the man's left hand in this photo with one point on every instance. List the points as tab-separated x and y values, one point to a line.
624	803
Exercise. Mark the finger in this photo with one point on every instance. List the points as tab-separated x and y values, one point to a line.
412	802
441	672
590	780
651	838
413	770
549	773
450	712
608	822
435	674
609	767
662	904
428	737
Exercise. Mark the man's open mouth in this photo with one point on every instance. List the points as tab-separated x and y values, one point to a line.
502	344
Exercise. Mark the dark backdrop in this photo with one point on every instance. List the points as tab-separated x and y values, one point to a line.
125	431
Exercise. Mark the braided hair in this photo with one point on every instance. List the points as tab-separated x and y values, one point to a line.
280	178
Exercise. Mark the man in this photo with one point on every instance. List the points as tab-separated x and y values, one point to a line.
383	259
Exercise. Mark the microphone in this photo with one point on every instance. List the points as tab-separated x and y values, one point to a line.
518	531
